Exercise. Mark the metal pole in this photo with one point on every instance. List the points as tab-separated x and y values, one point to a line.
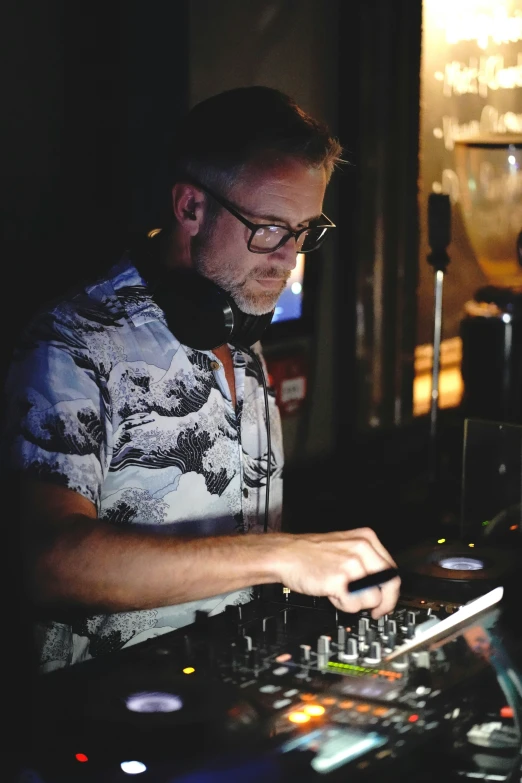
439	230
437	332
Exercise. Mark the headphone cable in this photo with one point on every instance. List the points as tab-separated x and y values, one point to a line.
257	362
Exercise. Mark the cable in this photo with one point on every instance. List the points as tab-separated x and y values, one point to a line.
257	362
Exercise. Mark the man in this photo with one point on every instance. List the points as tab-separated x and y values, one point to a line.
144	459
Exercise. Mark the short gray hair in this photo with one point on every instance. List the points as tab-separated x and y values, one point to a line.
221	135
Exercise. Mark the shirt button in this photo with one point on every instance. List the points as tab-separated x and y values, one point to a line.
245	492
215	365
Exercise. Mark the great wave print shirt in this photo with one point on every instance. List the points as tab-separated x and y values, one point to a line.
104	400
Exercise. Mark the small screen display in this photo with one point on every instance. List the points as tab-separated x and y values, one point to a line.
334	747
289	306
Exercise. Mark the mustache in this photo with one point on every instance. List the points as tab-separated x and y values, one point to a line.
269	273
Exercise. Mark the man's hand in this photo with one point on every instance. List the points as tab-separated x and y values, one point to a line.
323	564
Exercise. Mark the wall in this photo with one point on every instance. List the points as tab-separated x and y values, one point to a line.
471	86
291	45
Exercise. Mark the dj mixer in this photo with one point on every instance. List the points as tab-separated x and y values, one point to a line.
286	688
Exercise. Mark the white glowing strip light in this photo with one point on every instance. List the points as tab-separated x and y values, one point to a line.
462	617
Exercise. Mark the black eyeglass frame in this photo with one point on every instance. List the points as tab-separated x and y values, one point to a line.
254	227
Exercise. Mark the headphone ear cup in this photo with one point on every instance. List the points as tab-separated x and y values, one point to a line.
197	311
249	329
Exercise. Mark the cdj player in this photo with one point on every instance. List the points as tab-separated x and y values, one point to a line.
286	688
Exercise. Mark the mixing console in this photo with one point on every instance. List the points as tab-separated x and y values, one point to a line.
284	688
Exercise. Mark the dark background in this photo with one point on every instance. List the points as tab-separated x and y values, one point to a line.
92	94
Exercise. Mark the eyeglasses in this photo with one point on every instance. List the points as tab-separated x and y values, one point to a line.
265	238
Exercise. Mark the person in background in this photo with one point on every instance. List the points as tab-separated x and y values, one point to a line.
148	474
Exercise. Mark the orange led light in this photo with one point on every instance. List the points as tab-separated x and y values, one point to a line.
346	705
506	712
307	697
328	700
314	710
298	717
390	674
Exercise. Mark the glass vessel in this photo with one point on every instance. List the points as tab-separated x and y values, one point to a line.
489	171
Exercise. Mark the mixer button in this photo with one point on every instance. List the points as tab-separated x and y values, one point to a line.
268	624
322	661
351	652
269	688
422	659
280	703
345	717
401	663
323	645
246	641
280	670
374	653
390	627
283	658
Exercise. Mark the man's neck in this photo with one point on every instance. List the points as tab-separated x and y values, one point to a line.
225	357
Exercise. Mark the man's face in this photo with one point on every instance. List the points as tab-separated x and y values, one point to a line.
288	194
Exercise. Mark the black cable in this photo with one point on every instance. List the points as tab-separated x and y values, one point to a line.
257	361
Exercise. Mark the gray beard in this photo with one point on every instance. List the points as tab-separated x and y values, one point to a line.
258	304
252	305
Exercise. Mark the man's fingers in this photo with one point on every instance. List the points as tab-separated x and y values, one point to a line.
389	598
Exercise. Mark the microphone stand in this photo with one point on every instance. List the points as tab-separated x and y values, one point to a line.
439	260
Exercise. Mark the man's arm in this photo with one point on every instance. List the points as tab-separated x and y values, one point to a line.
75	559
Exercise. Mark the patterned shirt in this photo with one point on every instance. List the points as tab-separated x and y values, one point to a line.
104	400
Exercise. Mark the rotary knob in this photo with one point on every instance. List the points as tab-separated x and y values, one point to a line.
373	656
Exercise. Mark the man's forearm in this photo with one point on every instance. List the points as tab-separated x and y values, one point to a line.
95	565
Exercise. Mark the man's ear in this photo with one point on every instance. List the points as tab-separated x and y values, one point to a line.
188	206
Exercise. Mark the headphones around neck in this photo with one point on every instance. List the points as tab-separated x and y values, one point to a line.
199	313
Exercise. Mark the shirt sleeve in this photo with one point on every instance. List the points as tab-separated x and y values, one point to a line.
58	420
